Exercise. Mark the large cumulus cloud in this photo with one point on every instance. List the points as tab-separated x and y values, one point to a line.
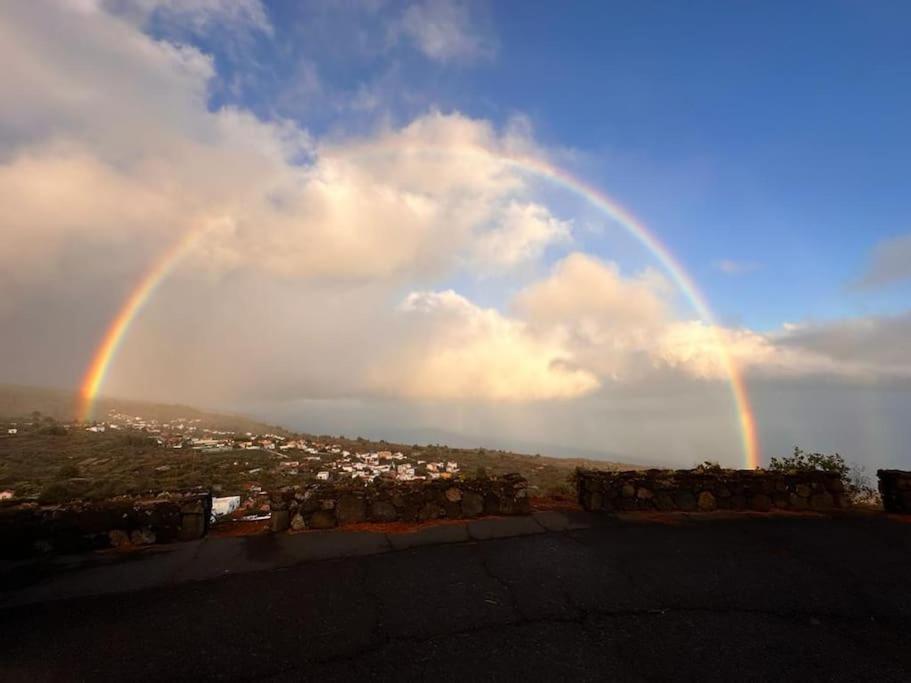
328	267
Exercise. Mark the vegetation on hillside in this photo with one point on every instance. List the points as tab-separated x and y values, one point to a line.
857	483
63	406
54	464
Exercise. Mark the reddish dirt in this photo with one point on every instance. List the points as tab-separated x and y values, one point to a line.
395	527
901	519
239	528
544	503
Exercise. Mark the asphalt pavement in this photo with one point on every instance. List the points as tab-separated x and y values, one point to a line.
676	597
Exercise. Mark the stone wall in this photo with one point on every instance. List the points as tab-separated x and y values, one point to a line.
705	490
323	506
28	528
895	489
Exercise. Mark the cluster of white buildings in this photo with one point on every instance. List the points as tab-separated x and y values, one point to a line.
337	463
330	461
385	464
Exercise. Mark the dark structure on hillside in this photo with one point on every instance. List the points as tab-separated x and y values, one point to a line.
895	489
324	506
29	529
705	490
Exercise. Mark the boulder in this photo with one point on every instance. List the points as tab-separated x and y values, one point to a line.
664	502
383	511
298	523
706	501
281	520
822	501
430	511
592	500
350	509
192	527
738	502
322	519
798	502
684	500
453	495
452	510
473	504
761	502
142	536
491	504
193	507
118	538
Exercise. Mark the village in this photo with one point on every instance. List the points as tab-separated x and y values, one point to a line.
251	463
296	456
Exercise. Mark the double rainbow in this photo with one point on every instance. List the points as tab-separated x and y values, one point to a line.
145	288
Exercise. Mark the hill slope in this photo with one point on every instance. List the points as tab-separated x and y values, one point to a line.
62	405
58	464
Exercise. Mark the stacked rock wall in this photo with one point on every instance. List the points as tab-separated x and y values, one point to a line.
706	490
28	528
323	506
895	489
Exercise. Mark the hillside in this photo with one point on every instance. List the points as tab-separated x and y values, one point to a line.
62	405
56	460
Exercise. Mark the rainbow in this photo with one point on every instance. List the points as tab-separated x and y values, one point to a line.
117	329
140	295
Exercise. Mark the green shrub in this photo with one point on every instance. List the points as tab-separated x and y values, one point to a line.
139	441
801	461
855	480
62	492
68	471
54	430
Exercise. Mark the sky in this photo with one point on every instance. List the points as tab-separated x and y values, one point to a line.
386	218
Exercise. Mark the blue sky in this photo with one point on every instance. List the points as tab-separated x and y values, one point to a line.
765	144
770	135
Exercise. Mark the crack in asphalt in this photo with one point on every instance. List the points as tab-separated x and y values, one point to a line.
843	624
613	562
586	615
482	559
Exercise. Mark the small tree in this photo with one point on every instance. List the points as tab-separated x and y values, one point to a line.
801	461
855	480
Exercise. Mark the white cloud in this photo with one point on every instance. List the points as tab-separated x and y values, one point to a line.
198	16
401	203
456	350
445	31
109	153
889	263
611	320
874	347
624	329
523	232
54	200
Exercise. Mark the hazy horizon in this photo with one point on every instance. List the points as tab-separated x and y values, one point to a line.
631	230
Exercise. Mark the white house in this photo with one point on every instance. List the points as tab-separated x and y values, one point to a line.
225	506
